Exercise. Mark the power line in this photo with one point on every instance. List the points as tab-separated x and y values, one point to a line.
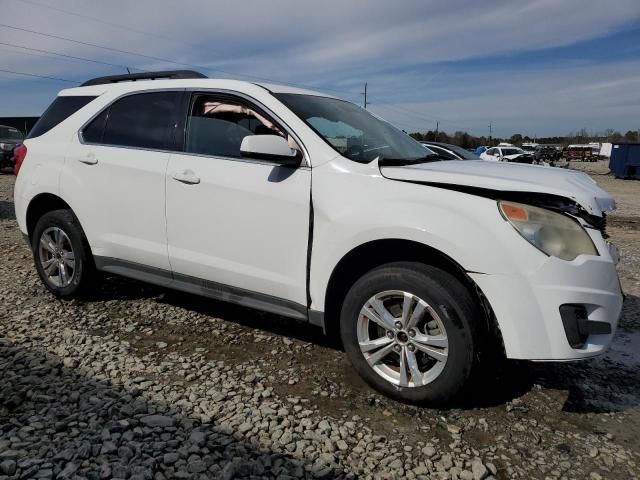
99	20
88	44
39	76
166	60
421	115
61	55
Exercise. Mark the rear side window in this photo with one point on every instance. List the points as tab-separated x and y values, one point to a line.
143	120
61	109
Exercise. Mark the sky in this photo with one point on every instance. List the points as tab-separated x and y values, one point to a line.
539	67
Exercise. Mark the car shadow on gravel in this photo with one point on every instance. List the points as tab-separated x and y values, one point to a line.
7	210
56	422
120	288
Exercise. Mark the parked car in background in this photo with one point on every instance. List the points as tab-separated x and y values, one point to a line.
507	154
530	147
546	153
450	152
423	267
10	138
480	149
584	153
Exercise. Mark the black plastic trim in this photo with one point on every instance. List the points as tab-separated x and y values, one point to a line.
132	77
206	288
578	327
317	318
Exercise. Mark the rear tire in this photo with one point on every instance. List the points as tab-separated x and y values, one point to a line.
62	255
430	333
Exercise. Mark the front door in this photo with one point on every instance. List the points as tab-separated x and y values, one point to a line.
233	221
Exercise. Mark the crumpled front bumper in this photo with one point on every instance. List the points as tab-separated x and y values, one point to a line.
528	307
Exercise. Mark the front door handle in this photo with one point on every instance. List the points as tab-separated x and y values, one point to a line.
88	159
186	176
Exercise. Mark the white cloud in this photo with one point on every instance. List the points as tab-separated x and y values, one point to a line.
332	43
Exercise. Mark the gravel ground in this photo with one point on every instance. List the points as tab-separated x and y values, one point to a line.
138	382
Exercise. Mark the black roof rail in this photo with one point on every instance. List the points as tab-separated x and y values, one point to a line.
132	77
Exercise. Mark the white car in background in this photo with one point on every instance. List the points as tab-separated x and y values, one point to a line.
308	206
507	154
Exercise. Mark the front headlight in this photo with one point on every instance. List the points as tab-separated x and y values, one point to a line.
553	233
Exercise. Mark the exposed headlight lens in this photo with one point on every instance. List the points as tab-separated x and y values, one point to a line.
553	233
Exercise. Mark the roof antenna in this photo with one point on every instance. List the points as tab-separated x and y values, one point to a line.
128	71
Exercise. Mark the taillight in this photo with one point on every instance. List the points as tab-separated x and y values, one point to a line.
19	154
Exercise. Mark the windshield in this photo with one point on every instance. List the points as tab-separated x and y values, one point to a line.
353	132
10	134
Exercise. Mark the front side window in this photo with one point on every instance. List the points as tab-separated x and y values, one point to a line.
217	125
354	132
143	120
61	109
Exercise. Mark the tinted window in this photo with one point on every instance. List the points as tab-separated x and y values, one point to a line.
10	135
92	133
217	125
143	120
442	152
61	109
462	153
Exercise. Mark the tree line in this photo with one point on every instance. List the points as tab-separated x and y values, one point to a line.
466	140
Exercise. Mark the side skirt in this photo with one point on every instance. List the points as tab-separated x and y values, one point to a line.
205	288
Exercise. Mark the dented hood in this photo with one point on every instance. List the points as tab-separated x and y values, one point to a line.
507	177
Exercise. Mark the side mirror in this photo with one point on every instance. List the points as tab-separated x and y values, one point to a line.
271	148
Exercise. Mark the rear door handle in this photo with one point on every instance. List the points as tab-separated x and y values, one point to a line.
88	159
186	176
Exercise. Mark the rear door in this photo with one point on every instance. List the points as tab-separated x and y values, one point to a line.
233	221
115	173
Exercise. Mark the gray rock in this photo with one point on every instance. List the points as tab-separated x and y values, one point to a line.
8	467
157	421
480	472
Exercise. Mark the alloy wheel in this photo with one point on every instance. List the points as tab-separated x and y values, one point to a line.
402	338
56	257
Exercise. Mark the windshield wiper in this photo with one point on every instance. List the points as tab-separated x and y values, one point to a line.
399	162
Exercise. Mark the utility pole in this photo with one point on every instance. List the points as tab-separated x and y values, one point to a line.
365	95
490	137
437	128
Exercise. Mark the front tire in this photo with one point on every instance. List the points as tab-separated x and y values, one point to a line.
62	255
410	330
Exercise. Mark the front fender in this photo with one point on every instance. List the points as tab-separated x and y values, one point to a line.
365	208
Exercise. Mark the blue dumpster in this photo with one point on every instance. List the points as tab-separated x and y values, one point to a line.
625	160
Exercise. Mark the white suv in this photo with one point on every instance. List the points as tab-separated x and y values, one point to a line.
298	203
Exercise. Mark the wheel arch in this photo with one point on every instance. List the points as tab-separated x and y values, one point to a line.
41	204
370	255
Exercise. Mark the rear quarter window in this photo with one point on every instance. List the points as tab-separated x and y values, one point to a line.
61	109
